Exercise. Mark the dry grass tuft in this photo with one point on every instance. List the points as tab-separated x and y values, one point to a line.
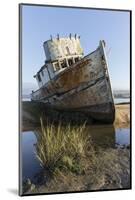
61	147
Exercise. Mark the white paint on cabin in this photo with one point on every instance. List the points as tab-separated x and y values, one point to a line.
50	70
62	47
60	54
42	76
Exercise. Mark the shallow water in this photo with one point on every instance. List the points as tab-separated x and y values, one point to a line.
121	100
105	136
30	164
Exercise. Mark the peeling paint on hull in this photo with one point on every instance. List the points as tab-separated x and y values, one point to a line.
84	86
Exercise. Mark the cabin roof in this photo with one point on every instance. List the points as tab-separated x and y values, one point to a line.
59	38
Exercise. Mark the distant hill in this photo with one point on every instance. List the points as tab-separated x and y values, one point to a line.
27	88
121	93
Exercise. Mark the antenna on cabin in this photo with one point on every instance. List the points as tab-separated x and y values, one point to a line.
104	42
51	37
58	37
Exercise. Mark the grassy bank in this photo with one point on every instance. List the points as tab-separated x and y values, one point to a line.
71	162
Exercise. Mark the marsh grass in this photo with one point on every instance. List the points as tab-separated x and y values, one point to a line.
61	147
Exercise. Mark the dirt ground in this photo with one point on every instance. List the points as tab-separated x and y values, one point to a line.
110	169
122	115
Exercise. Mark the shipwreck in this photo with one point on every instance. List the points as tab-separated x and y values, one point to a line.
71	81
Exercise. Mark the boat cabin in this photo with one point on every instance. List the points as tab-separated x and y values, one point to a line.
60	53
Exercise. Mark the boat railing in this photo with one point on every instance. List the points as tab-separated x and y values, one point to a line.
36	95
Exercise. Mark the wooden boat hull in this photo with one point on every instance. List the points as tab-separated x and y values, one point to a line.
84	87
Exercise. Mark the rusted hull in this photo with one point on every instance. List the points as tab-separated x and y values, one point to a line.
104	113
85	87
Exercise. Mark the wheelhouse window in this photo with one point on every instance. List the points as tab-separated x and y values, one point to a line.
39	78
76	59
63	64
56	66
70	62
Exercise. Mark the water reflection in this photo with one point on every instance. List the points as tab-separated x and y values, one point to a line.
103	136
122	137
30	164
109	136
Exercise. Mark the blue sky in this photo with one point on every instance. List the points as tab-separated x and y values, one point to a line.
38	23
